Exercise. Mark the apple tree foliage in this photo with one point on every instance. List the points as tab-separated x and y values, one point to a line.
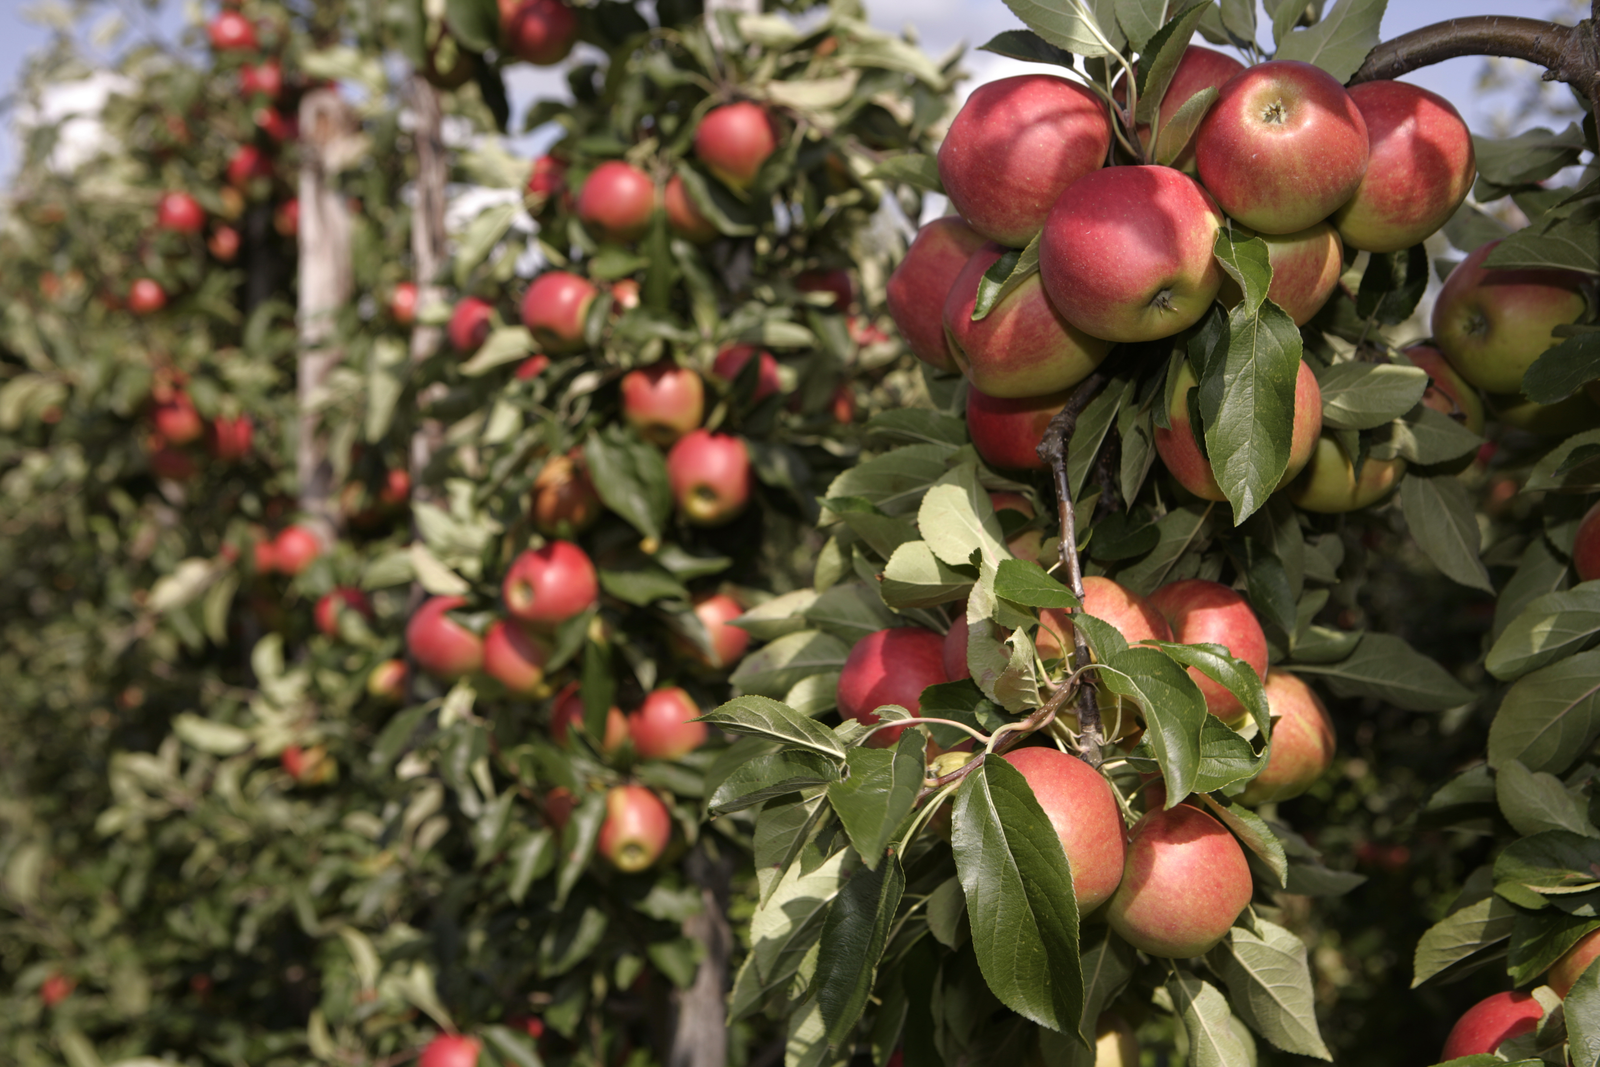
214	836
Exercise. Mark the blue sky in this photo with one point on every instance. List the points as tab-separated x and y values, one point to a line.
939	23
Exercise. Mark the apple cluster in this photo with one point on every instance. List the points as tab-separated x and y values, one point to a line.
1125	253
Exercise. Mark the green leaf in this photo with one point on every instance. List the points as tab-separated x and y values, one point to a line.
1535	802
1569	465
506	345
1582	1009
894	481
1550	628
1024	582
1247	263
1428	437
786	917
1028	47
1247	404
1207	1018
759	780
1459	935
729	214
1140	19
1176	133
1385	667
1175	712
913	169
1444	522
1539	938
1004	276
1270	982
216	738
531	859
774	669
1090	431
630	477
475	23
919	426
388	365
1069	24
1252	830
1159	57
1339	43
879	792
957	519
1549	718
1018	886
1530	156
1363	396
482	234
515	1049
1181	529
757	716
850	611
915	578
1561	371
1547	867
1564	244
577	844
852	943
570	940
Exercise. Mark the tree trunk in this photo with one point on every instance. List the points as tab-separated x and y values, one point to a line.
428	255
700	1038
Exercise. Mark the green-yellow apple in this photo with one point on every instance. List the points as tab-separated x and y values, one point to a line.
1586	546
1199	612
1493	323
890	666
710	477
734	140
636	829
1305	269
515	658
564	502
1015	146
1577	412
1007	433
541	32
566	713
1565	972
1302	741
1180	451
1420	166
1328	484
1185	882
1491	1021
663	727
685	218
387	681
545	587
555	308
617	201
1448	393
1081	807
731	360
919	285
663	402
440	645
1023	346
1198	70
1283	147
1126	253
470	325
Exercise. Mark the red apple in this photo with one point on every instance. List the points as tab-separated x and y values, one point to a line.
451	1050
1007	433
1185	882
1023	346
514	658
177	421
559	805
734	140
625	295
180	213
471	322
438	643
1084	812
1492	324
664	726
1302	741
541	32
663	402
566	713
1566	971
546	178
556	307
387	681
842	404
685	218
1015	146
308	766
329	607
296	548
396	489
1305	269
231	32
1448	393
532	367
953	653
1328	484
1420	167
229	438
1283	147
1127	253
836	282
728	642
1180	451
264	556
891	666
403	303
564	501
1198	70
224	244
710	477
731	360
547	586
1586	546
167	462
636	829
617	201
247	164
264	78
286	218
145	296
55	988
1134	617
1490	1022
1200	611
920	284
